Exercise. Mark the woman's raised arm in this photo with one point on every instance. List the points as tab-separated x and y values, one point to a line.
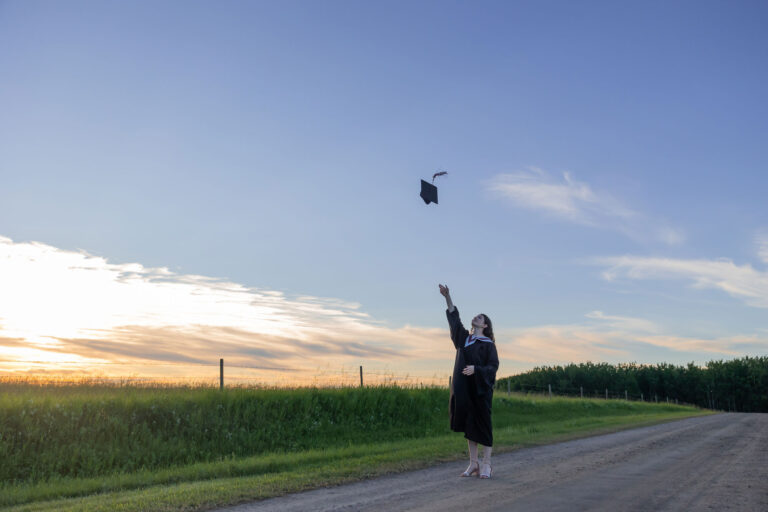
458	332
447	294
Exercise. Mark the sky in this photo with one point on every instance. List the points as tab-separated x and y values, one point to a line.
187	181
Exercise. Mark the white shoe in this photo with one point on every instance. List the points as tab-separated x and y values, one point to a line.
472	469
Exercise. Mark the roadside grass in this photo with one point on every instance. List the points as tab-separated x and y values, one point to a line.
92	431
518	421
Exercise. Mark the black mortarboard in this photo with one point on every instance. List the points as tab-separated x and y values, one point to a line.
428	192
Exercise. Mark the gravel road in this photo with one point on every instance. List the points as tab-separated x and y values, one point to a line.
717	462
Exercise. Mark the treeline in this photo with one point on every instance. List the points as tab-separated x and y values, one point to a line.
735	385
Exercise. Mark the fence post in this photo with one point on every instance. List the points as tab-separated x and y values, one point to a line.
667	399
509	391
221	373
550	390
606	393
625	395
642	398
361	375
656	398
450	378
581	391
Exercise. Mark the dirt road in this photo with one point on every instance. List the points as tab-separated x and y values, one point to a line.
716	463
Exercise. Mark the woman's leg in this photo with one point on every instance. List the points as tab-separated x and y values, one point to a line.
472	450
474	465
485	469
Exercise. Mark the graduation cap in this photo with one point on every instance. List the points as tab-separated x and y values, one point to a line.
428	190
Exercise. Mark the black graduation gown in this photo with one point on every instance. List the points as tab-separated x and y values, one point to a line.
472	396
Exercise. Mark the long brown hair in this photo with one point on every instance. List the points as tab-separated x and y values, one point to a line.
488	330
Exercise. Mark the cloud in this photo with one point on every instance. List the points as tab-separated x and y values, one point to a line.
740	281
12	342
761	240
614	339
669	235
577	202
624	322
568	199
556	344
728	346
72	306
78	313
202	344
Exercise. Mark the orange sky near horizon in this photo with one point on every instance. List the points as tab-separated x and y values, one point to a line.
72	314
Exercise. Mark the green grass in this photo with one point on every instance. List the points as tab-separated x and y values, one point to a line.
325	437
92	431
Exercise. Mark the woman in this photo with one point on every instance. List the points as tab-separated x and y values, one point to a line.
474	374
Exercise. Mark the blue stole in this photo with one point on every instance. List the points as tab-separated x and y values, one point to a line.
472	339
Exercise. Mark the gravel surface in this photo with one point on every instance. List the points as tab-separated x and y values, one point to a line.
717	462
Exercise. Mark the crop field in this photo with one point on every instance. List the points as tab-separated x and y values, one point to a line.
90	444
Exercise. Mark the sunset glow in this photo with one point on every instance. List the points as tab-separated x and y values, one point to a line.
72	313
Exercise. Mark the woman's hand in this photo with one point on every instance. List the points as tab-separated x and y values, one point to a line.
468	370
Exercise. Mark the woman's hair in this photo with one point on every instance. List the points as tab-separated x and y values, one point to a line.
488	331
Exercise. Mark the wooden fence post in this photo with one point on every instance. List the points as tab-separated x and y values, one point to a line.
509	390
581	391
606	393
361	376
642	398
625	395
550	390
221	373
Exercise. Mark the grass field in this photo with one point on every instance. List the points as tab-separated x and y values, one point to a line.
98	447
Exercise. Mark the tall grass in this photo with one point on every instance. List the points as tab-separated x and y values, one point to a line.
92	429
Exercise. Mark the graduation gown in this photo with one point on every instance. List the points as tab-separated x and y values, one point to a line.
472	396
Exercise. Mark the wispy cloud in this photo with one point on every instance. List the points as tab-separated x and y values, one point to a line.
573	201
626	323
567	199
741	281
614	338
721	347
761	240
557	344
65	305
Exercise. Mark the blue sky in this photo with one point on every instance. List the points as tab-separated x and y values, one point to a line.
606	164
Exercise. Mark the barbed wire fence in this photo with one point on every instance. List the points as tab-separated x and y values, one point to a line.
218	374
550	391
224	375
